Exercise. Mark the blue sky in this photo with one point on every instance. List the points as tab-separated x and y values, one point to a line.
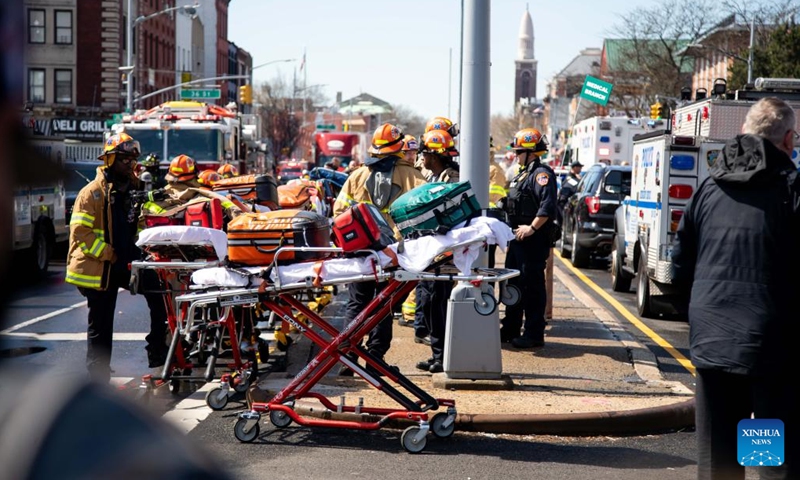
398	51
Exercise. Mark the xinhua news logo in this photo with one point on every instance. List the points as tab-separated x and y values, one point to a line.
760	442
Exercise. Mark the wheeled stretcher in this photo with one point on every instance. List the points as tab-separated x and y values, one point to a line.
174	253
277	294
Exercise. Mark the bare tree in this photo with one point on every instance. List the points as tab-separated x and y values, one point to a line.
653	60
502	128
279	123
408	120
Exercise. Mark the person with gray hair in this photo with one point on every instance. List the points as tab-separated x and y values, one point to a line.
736	258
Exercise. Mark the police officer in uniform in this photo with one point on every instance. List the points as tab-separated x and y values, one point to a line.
531	206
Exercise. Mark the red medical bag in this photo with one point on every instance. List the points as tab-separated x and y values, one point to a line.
207	214
362	227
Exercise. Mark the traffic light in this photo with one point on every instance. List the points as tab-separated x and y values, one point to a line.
246	94
655	111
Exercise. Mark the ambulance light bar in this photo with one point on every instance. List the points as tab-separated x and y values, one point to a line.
785	84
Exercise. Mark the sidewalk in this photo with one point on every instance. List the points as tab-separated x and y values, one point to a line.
591	378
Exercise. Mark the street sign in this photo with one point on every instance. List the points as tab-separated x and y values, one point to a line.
202	93
326	127
596	90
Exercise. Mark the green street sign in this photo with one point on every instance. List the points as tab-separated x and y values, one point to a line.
202	93
326	127
596	90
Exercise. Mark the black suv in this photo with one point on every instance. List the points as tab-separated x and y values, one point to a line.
588	217
78	174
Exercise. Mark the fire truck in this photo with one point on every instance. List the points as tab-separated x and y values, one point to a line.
668	166
345	145
212	135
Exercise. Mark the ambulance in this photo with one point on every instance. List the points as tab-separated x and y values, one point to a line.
602	140
668	166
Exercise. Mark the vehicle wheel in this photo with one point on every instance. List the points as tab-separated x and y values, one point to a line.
620	281
510	295
580	255
438	428
564	250
489	308
643	291
39	253
241	435
410	441
216	399
280	418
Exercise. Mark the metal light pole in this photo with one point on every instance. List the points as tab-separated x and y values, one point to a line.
130	24
750	51
129	61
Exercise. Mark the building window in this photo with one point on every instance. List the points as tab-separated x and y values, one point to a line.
63	86
36	26
63	27
36	85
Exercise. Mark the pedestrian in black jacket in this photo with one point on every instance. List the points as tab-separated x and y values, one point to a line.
737	252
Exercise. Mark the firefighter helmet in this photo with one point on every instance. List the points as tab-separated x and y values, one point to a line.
410	143
208	178
181	169
440	142
119	144
530	139
228	171
442	123
386	140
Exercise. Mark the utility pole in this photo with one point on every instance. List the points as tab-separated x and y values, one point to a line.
750	51
129	55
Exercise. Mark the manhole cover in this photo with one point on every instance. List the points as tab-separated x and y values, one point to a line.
20	352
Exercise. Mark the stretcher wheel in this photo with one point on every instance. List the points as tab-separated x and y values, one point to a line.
241	435
488	309
410	441
242	385
216	399
175	386
280	418
438	428
510	295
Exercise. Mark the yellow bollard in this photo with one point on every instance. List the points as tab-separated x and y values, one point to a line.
548	280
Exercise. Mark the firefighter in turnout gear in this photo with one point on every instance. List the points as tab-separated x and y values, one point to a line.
101	245
385	177
531	208
438	150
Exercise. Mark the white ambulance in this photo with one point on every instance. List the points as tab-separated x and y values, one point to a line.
602	140
668	166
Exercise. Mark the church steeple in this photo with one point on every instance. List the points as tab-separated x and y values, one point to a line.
525	81
525	50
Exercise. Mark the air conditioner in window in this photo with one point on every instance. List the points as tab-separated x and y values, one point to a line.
617	147
618	131
604	125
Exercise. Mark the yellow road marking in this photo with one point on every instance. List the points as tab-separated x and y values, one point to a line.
685	362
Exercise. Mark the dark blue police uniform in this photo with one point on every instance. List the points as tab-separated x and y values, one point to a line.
532	193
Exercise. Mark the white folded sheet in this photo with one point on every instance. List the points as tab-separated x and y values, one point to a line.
179	234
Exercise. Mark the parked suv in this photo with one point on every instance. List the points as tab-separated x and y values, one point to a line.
78	174
588	217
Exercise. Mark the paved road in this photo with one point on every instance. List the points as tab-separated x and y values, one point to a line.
673	330
328	453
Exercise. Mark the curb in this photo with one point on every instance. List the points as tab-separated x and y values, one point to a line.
644	421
